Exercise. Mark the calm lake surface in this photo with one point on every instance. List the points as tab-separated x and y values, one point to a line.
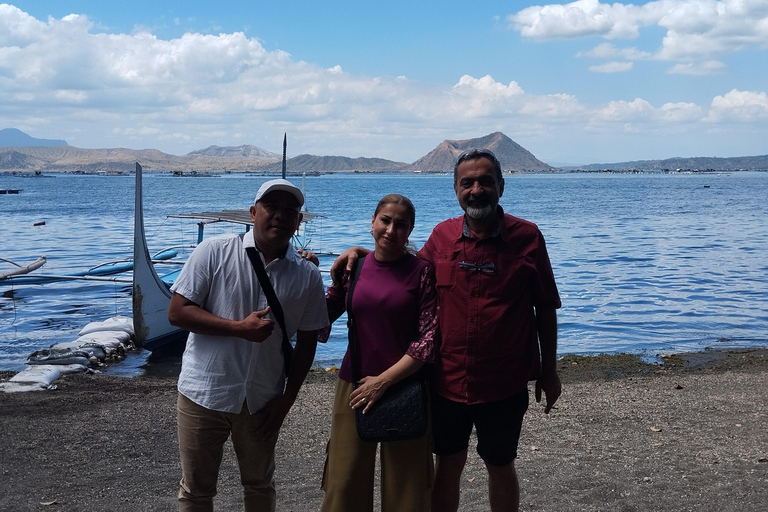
646	263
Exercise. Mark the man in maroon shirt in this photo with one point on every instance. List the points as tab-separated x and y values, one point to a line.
499	330
497	308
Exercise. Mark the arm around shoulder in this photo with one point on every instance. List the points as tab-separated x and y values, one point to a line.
345	262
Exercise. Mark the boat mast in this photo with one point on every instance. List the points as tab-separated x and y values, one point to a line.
285	143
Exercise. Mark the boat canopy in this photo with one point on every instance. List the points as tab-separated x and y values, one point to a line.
233	216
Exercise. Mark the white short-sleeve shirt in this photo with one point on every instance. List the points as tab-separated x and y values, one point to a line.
221	372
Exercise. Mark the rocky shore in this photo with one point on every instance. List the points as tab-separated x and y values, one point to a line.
686	435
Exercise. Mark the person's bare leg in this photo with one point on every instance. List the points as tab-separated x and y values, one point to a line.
503	488
447	488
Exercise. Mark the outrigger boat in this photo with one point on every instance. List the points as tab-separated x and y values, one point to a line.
151	292
101	272
22	269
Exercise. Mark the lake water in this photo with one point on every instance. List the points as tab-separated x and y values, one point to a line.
647	263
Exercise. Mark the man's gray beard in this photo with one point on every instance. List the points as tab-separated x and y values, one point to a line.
479	213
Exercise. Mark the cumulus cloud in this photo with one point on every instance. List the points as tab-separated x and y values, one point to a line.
635	110
680	112
488	86
612	67
739	106
579	19
486	98
695	29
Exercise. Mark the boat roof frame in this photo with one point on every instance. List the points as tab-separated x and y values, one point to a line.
234	216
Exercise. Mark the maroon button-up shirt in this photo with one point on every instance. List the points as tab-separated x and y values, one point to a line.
490	346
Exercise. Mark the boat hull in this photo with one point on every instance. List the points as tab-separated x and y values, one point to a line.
151	296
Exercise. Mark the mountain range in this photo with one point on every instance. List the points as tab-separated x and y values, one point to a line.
34	157
679	163
14	137
20	152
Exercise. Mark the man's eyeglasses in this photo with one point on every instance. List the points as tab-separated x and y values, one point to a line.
471	154
486	268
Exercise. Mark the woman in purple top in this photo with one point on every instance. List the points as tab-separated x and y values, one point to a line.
396	317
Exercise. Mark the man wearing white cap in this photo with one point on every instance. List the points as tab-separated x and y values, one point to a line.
238	376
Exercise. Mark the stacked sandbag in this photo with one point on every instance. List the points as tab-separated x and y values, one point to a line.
36	378
98	343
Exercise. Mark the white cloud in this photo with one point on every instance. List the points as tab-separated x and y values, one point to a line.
71	96
709	67
695	29
739	106
610	51
579	19
680	112
635	110
612	67
488	86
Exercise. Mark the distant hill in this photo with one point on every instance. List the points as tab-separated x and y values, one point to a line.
11	137
69	158
511	155
303	163
235	152
16	160
745	163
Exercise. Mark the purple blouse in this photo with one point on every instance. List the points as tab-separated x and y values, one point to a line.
395	310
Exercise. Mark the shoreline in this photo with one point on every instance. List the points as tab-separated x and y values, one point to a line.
602	365
688	434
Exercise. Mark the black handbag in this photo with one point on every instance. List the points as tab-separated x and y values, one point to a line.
401	413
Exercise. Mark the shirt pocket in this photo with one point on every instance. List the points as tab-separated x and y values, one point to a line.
445	270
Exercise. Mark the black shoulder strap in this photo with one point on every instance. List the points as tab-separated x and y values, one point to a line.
352	335
273	302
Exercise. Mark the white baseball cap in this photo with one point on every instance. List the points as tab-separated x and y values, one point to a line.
279	184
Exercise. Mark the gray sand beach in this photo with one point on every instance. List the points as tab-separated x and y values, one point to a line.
686	435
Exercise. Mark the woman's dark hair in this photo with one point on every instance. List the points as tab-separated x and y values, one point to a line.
398	200
401	201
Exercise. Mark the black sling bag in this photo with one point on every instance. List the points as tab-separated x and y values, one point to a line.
273	302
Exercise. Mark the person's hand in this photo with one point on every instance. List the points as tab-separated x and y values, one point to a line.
343	265
370	390
273	414
309	256
256	327
550	384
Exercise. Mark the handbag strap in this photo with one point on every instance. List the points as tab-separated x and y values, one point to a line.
273	302
352	335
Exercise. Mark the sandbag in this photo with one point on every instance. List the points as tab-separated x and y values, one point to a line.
58	357
36	378
105	337
117	323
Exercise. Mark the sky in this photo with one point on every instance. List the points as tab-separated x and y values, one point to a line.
573	82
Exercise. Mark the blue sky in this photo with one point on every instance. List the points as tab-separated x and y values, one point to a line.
573	82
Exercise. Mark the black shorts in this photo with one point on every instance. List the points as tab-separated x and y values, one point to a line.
497	424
